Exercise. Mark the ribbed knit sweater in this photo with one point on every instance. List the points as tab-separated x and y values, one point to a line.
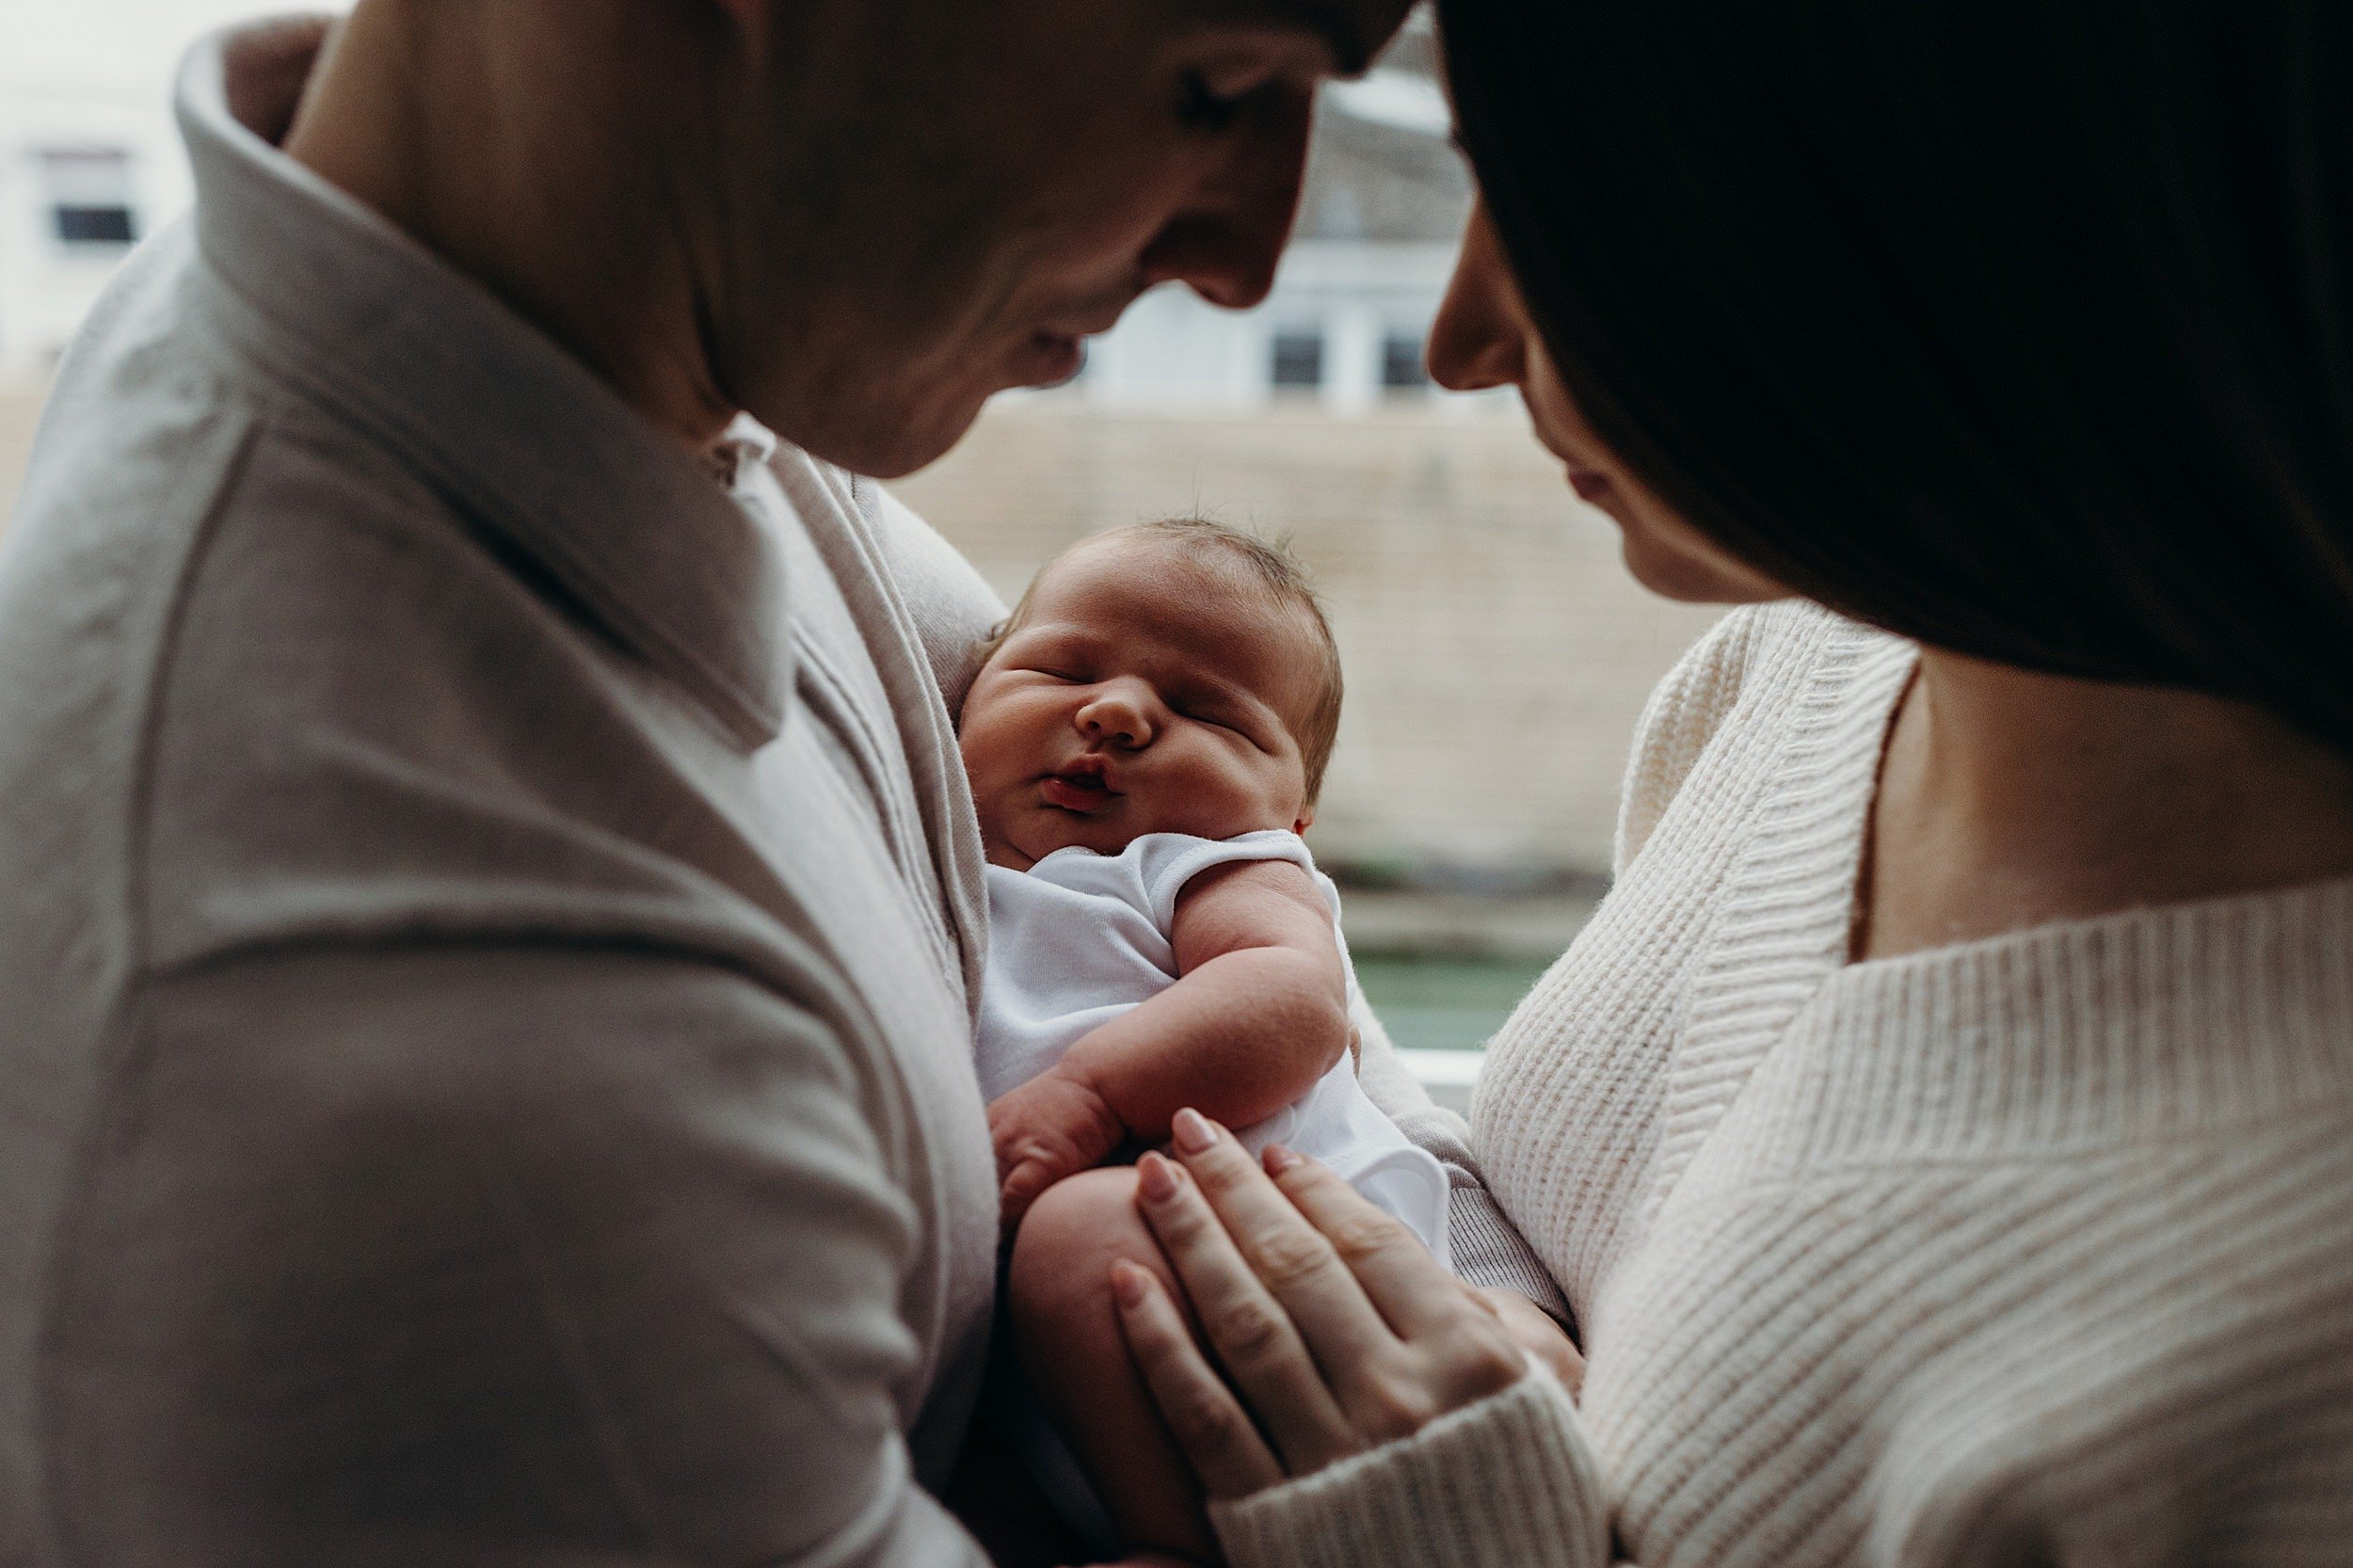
2030	1250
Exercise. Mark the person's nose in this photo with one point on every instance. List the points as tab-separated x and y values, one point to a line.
1119	714
1226	241
1480	338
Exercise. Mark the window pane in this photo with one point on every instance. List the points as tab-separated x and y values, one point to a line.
1401	363
95	225
89	195
1298	359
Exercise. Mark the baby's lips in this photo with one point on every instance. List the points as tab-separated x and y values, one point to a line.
1061	790
1090	771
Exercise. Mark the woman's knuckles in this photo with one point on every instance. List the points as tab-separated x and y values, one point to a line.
1390	1407
1478	1359
1368	1234
1205	1419
1249	1333
1290	1257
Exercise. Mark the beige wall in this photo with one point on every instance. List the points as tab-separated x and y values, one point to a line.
1498	654
20	407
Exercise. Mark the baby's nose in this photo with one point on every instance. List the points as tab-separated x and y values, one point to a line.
1114	717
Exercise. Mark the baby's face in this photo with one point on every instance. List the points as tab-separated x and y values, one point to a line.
1149	690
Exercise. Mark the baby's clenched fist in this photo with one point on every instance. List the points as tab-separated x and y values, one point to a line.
1052	1126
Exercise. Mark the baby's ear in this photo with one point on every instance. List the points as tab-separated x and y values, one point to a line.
1306	820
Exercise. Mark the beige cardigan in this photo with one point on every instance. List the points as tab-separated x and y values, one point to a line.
2035	1250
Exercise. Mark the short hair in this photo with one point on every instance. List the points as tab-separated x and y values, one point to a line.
1273	567
2020	328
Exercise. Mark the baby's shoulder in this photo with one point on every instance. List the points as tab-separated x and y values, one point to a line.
1151	874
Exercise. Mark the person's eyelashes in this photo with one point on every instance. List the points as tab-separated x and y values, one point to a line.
1202	107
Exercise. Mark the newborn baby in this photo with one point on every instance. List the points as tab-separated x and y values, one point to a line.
1144	743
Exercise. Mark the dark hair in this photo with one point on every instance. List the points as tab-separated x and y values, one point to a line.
1274	569
2023	328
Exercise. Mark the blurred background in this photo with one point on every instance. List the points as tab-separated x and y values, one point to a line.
1497	653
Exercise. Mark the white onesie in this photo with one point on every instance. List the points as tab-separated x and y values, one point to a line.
1080	938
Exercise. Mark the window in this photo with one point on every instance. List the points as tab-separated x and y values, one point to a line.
1401	362
89	198
1298	359
78	225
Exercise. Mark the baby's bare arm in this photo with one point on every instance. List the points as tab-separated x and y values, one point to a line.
1259	1013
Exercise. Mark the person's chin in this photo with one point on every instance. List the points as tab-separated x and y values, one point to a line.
927	436
916	445
1686	576
916	437
888	448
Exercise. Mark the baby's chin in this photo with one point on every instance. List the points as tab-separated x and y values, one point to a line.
1049	830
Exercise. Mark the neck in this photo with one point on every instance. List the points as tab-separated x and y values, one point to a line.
2010	799
476	133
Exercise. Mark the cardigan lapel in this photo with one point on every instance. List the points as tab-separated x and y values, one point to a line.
1789	907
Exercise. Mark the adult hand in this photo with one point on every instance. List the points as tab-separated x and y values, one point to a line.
1337	1329
1532	1329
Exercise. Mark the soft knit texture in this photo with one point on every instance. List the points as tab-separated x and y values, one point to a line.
2031	1250
1427	1499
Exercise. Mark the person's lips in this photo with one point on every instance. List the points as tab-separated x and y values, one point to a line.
1083	786
1053	357
1590	484
1094	318
1058	349
1591	487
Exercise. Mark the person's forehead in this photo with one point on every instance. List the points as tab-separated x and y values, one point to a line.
1353	30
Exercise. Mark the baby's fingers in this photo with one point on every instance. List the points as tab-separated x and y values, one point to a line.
1021	1187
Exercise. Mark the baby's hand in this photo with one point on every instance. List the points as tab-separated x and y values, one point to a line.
1054	1125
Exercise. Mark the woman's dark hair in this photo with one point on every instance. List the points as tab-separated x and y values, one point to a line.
2023	328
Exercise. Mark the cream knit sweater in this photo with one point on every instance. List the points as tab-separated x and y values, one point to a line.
2033	1250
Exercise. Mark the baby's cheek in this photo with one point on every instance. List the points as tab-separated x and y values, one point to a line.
988	743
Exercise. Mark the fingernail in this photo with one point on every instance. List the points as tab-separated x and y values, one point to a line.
1195	1132
1129	1283
1279	1159
1158	1178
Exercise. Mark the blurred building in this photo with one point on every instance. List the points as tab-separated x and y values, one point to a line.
1385	201
89	160
1497	653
